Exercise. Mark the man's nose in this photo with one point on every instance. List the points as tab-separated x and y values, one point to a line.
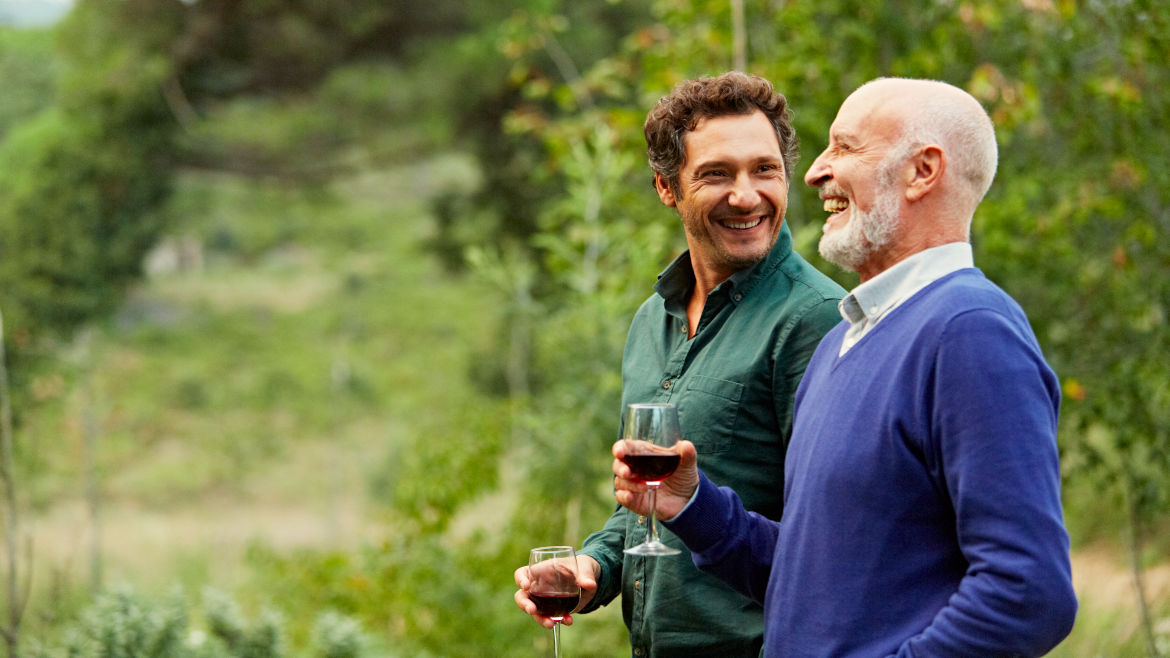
818	172
744	194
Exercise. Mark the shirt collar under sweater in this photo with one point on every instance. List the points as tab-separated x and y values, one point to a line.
869	302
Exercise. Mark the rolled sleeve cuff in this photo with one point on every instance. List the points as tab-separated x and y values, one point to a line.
608	581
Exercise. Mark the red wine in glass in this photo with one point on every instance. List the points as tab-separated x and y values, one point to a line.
555	606
651	467
652	429
552	585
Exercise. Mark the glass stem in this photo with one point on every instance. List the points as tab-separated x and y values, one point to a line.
556	639
653	515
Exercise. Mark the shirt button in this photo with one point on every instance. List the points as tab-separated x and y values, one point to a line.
737	297
666	385
682	327
638	651
641	520
638	585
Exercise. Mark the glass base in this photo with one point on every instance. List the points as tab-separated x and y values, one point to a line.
652	548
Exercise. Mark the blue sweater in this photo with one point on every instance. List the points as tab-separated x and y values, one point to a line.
922	510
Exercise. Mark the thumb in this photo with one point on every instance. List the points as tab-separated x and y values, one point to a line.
521	577
688	455
587	568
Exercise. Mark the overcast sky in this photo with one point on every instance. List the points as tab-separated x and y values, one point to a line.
32	12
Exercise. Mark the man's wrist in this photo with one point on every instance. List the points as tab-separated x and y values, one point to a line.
702	523
691	500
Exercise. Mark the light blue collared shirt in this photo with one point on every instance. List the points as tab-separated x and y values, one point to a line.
871	301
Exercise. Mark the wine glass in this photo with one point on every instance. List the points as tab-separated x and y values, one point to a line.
552	585
653	429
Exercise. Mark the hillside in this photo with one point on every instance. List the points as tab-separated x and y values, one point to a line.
258	385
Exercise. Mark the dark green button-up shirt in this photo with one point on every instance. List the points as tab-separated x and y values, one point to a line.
733	384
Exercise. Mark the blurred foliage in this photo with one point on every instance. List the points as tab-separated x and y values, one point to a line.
143	88
79	197
519	67
27	64
124	623
1092	269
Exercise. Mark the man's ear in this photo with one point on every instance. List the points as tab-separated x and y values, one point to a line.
929	165
664	192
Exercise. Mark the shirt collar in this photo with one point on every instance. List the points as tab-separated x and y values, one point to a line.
676	281
876	297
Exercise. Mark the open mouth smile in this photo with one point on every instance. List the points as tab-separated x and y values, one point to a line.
742	224
836	204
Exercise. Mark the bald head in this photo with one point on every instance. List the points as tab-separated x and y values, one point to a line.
907	163
934	112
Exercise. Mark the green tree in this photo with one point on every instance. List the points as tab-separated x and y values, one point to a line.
1077	228
79	196
523	66
85	179
27	67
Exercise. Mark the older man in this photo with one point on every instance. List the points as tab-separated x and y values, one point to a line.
922	511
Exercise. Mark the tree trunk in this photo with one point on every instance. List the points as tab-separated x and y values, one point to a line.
90	438
1136	568
518	370
738	36
11	630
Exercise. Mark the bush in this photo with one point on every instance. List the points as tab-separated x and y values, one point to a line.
122	623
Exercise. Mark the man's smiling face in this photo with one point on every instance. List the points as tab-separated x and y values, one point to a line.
858	181
733	192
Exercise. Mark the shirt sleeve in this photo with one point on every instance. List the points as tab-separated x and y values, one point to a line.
800	340
606	547
726	540
994	433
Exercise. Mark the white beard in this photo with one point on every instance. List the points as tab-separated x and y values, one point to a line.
868	232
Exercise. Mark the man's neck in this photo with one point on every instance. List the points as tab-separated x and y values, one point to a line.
707	279
906	246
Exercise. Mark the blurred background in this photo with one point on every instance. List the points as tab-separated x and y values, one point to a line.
313	312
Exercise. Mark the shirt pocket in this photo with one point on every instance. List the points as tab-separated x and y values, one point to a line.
708	412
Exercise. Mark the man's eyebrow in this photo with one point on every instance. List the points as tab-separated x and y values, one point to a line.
719	161
842	136
712	163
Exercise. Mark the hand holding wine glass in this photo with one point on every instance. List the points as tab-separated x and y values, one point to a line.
588	569
650	432
671	496
551	584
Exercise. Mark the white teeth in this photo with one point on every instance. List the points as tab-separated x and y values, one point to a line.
836	205
742	226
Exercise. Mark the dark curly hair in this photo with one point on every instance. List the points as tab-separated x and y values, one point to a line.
693	100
